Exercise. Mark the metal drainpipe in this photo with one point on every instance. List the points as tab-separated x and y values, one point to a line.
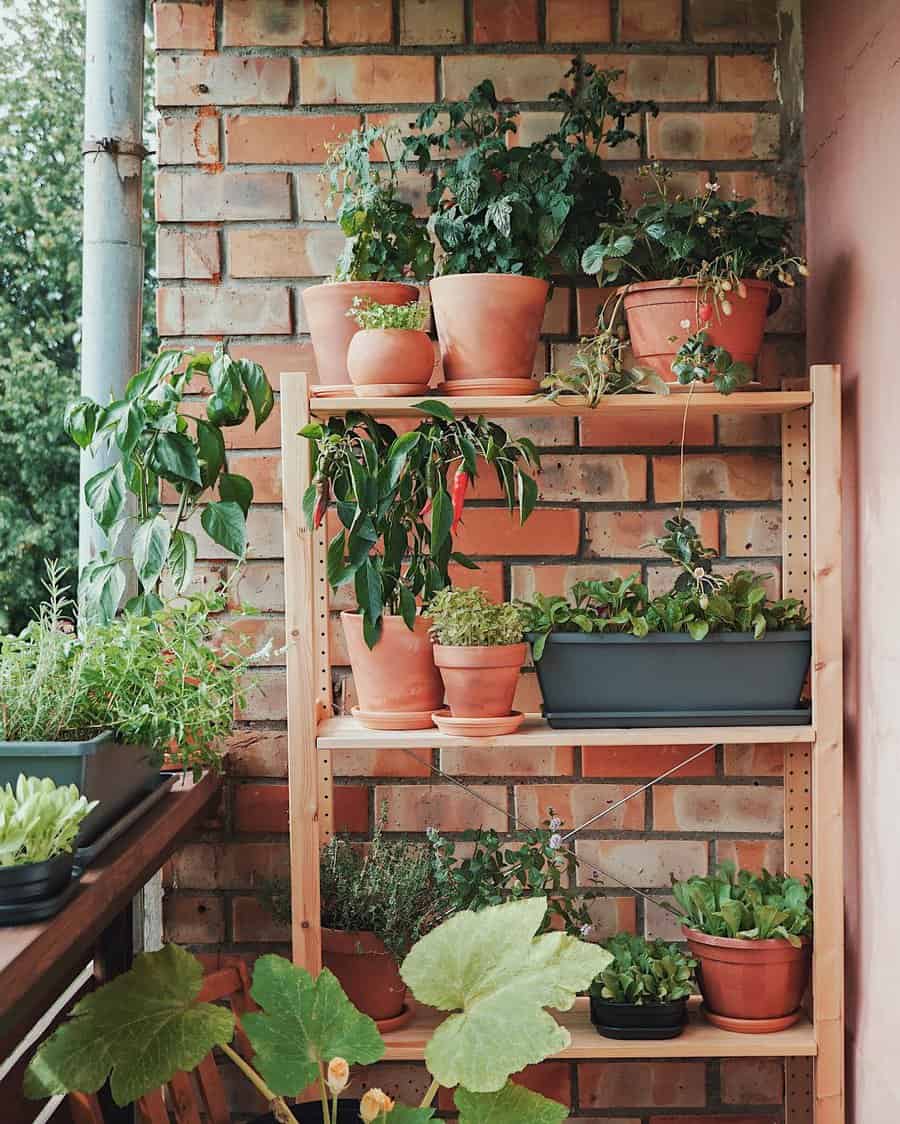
113	255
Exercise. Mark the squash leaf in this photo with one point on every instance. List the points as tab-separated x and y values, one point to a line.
514	1104
497	977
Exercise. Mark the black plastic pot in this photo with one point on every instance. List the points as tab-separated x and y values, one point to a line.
311	1113
644	1021
21	885
115	775
596	680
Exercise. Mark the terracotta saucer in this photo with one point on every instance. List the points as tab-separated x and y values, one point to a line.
478	727
750	1026
504	388
331	390
393	720
385	1026
391	390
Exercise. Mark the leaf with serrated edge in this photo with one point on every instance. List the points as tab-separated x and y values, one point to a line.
142	1028
304	1022
514	1104
491	970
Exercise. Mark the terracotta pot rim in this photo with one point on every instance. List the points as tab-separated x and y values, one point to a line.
745	943
685	283
357	284
355	942
506	276
391	331
386	617
480	655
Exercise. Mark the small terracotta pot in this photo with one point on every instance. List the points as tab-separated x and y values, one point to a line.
488	324
398	675
656	309
747	979
393	361
332	329
366	971
480	681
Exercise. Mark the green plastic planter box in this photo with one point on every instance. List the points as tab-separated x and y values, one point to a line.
668	679
116	775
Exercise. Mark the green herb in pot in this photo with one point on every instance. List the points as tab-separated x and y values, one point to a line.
644	972
39	820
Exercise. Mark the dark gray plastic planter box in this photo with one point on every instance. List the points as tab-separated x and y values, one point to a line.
596	680
116	775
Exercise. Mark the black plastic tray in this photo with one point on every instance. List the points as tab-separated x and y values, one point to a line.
27	913
84	856
653	719
640	1033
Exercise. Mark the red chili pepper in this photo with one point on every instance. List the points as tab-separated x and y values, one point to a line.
321	503
706	312
458	496
426	508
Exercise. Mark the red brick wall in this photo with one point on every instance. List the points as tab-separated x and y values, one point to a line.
249	92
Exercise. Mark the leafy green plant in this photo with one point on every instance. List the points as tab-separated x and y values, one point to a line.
601	366
527	864
392	498
39	820
488	970
644	972
697	360
732	903
617	605
390	888
407	317
160	441
385	242
466	617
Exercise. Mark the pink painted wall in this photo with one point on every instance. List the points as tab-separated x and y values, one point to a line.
852	121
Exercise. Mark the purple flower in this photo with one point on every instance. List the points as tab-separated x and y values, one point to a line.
555	841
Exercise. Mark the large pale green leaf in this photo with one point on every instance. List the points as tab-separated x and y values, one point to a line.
224	523
304	1022
139	1030
182	555
403	1114
105	495
149	549
491	970
512	1105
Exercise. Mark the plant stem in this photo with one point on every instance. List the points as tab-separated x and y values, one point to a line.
326	1115
430	1095
279	1108
681	459
334	1110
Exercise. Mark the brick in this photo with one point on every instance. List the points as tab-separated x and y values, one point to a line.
749	429
353	79
550	580
575	803
245	435
790	316
654	1084
273	23
251	634
296	138
381	762
263	470
359	21
222	80
528	698
431	21
596	478
194	919
752	854
752	532
783	358
258	586
708	477
257	753
186	27
733	21
745	78
571	21
492	531
627	534
351	808
718	808
642	862
514	21
418	807
713	136
226	866
661	923
280	252
644	761
314	202
611	915
654	21
253	923
193	139
746	1081
535	125
261	808
488	576
556	317
774	194
660	77
257	311
550	1079
266	697
515	77
601	430
234	196
191	254
496	761
544	432
660	578
754	760
277	359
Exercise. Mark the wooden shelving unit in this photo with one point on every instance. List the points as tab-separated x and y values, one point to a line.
813	783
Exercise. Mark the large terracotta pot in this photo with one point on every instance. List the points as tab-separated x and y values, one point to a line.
488	326
480	681
390	361
750	980
367	972
397	678
656	310
332	329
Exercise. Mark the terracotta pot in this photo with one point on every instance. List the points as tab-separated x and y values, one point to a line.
366	971
398	675
332	329
488	324
747	979
480	681
390	361
656	309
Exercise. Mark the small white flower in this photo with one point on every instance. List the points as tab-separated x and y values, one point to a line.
712	186
555	841
685	324
555	823
585	931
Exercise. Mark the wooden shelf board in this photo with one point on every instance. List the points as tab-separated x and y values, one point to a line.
748	402
700	1040
348	733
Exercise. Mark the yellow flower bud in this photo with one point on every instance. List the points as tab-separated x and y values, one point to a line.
338	1076
726	286
374	1104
